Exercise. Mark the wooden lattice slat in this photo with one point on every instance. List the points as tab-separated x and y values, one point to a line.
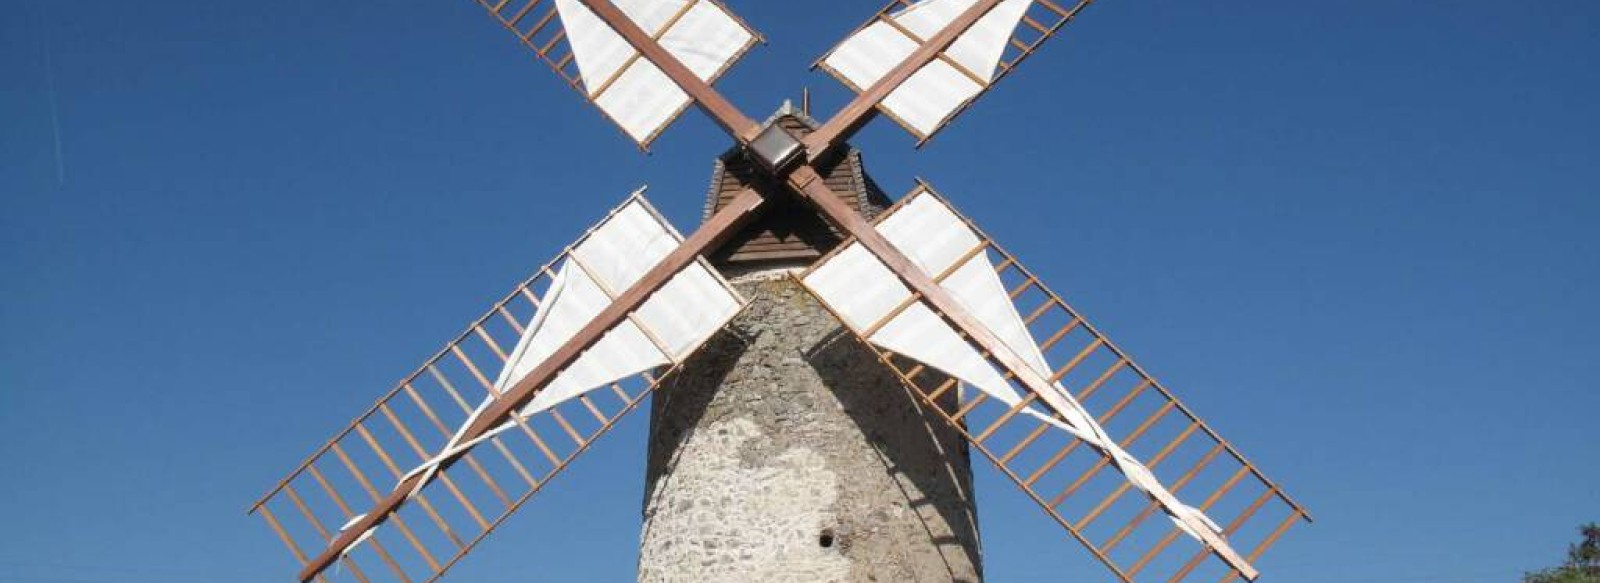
1067	480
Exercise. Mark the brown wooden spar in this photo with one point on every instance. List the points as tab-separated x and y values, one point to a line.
711	234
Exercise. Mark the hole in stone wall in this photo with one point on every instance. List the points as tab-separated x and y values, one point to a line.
826	539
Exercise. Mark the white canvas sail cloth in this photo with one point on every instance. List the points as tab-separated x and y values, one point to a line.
934	92
670	325
864	293
631	90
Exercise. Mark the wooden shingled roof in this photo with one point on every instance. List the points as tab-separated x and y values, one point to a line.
788	234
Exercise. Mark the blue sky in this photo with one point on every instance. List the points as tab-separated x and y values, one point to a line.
1356	236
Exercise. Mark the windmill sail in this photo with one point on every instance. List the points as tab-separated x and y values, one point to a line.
595	59
873	303
420	423
669	325
925	102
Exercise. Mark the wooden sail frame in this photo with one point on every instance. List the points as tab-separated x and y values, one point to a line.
323	496
1095	366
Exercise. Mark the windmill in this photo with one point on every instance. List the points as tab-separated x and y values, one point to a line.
632	307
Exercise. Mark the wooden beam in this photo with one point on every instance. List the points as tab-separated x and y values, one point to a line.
711	234
809	184
861	109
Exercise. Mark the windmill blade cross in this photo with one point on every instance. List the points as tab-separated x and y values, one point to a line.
620	47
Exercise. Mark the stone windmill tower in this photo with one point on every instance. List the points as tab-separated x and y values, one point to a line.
822	362
787	451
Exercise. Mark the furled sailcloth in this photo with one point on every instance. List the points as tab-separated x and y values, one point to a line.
630	89
670	325
870	299
936	91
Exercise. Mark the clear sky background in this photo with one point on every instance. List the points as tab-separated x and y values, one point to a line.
1358	237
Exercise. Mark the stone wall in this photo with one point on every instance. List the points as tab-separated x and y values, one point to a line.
787	452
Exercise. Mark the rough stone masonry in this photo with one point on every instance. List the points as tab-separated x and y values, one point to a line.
787	452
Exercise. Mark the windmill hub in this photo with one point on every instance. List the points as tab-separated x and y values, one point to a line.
789	234
775	147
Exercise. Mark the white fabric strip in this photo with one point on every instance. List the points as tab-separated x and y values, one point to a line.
935	91
863	291
982	46
634	92
679	317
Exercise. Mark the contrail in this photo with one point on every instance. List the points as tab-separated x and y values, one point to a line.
50	92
